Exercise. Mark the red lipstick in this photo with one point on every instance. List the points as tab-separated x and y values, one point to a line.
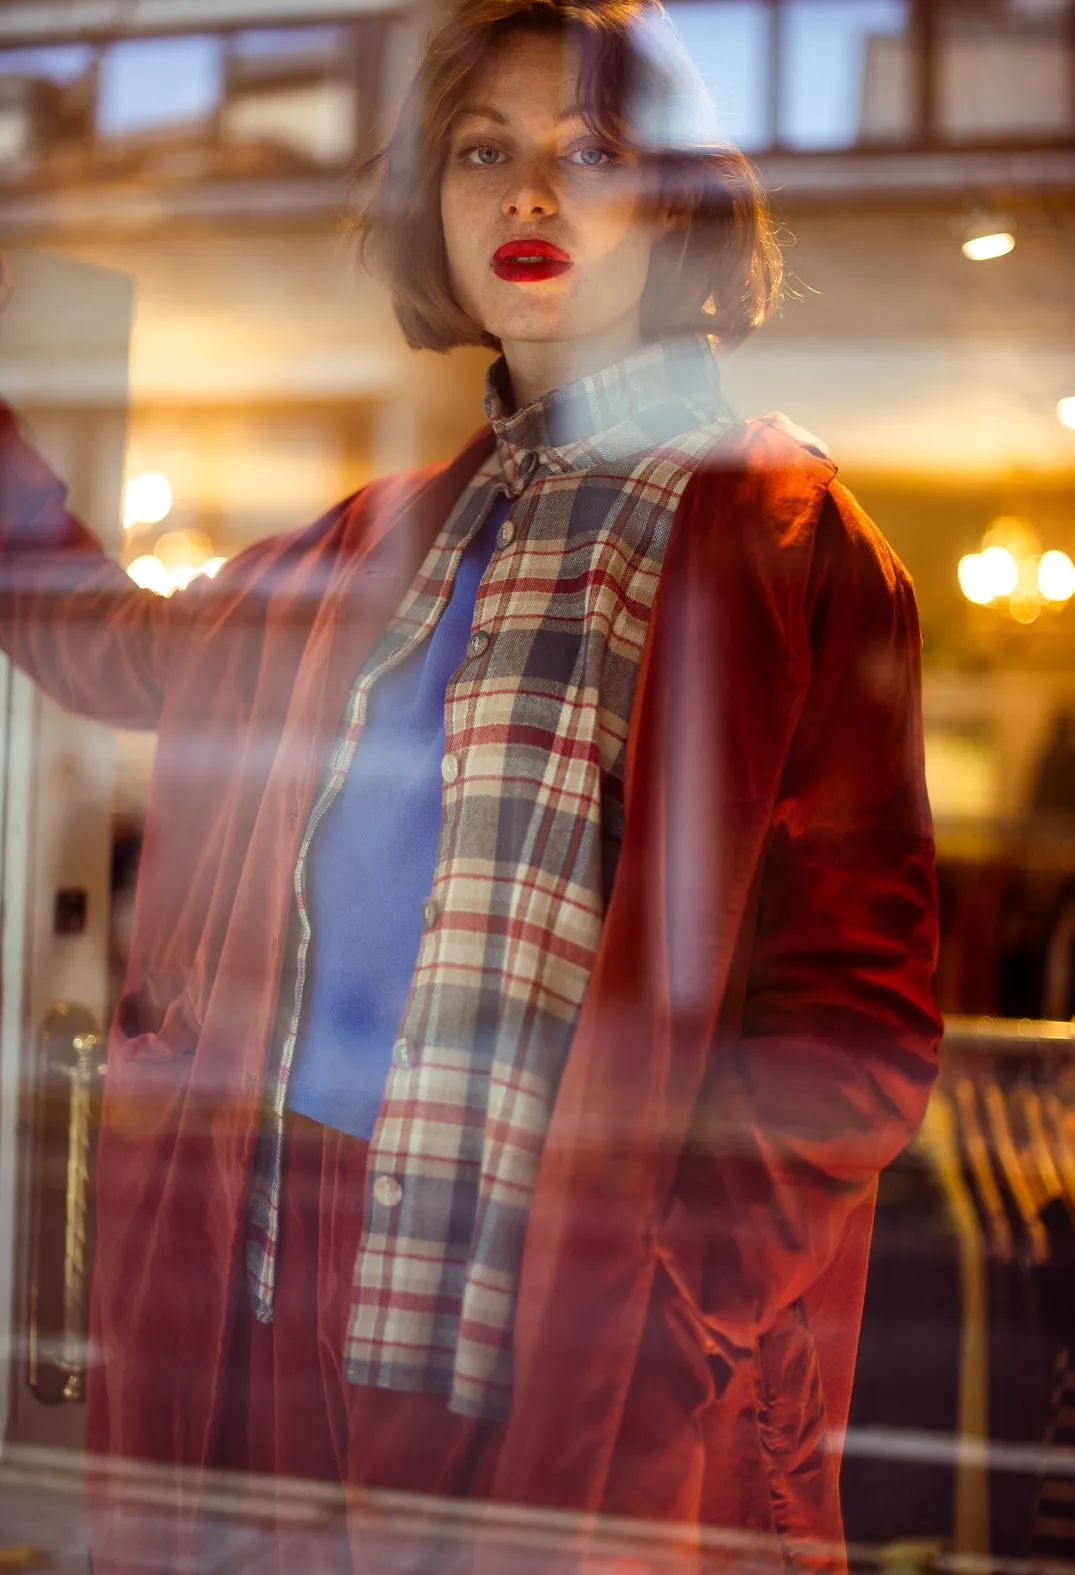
519	261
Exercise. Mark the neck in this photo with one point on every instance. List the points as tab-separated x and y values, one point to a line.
537	367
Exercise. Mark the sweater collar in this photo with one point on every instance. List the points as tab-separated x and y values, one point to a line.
637	404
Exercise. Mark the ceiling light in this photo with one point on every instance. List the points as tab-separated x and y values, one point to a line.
983	248
987	238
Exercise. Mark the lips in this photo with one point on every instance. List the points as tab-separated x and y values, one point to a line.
522	261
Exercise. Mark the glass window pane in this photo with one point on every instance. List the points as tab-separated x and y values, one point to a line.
55	63
1004	70
150	83
729	42
312	121
291	96
845	73
45	101
289	42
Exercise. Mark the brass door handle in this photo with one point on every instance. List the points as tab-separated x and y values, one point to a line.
65	1099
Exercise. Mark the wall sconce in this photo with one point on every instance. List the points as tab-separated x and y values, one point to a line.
1012	572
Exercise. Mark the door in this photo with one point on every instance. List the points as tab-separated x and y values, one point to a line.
64	346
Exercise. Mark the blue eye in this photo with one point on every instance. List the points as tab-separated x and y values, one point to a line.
482	155
591	157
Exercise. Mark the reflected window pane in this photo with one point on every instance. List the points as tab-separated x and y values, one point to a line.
1004	70
845	73
289	42
44	104
291	99
730	44
153	83
57	63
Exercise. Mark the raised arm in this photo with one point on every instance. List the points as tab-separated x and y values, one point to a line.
69	615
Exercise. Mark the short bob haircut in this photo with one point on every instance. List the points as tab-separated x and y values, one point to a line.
718	272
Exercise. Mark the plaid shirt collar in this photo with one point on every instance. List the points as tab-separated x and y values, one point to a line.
640	402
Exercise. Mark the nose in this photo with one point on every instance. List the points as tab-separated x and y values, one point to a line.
531	194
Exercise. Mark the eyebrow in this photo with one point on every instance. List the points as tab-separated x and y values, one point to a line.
572	112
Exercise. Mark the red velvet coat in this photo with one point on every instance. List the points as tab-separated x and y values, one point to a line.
757	1042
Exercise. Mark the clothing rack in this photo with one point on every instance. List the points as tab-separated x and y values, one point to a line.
1000	1036
969	1332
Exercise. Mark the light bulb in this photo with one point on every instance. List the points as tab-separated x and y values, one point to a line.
983	248
974	579
1001	570
147	500
1056	577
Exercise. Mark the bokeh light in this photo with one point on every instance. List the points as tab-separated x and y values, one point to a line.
983	248
1056	577
147	500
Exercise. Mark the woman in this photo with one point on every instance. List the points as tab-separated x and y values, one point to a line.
534	1088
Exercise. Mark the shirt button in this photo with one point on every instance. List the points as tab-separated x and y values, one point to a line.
450	769
479	643
430	912
506	534
402	1055
387	1191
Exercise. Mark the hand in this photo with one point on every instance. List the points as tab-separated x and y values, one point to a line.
7	281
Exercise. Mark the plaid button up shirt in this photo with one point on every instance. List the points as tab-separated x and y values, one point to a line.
536	725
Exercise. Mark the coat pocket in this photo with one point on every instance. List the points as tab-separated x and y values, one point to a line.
155	1021
150	1057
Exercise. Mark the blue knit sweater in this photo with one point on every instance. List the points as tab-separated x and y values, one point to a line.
370	868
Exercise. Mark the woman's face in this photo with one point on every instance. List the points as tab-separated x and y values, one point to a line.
547	237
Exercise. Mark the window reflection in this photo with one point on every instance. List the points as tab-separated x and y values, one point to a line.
46	102
1005	69
730	43
844	72
290	92
153	83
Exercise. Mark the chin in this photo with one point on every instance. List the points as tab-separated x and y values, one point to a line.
535	327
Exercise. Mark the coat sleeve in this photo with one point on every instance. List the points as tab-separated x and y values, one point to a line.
69	616
826	1077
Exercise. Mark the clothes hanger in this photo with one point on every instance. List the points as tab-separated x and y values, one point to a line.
1063	1142
1042	1172
981	1167
996	1108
